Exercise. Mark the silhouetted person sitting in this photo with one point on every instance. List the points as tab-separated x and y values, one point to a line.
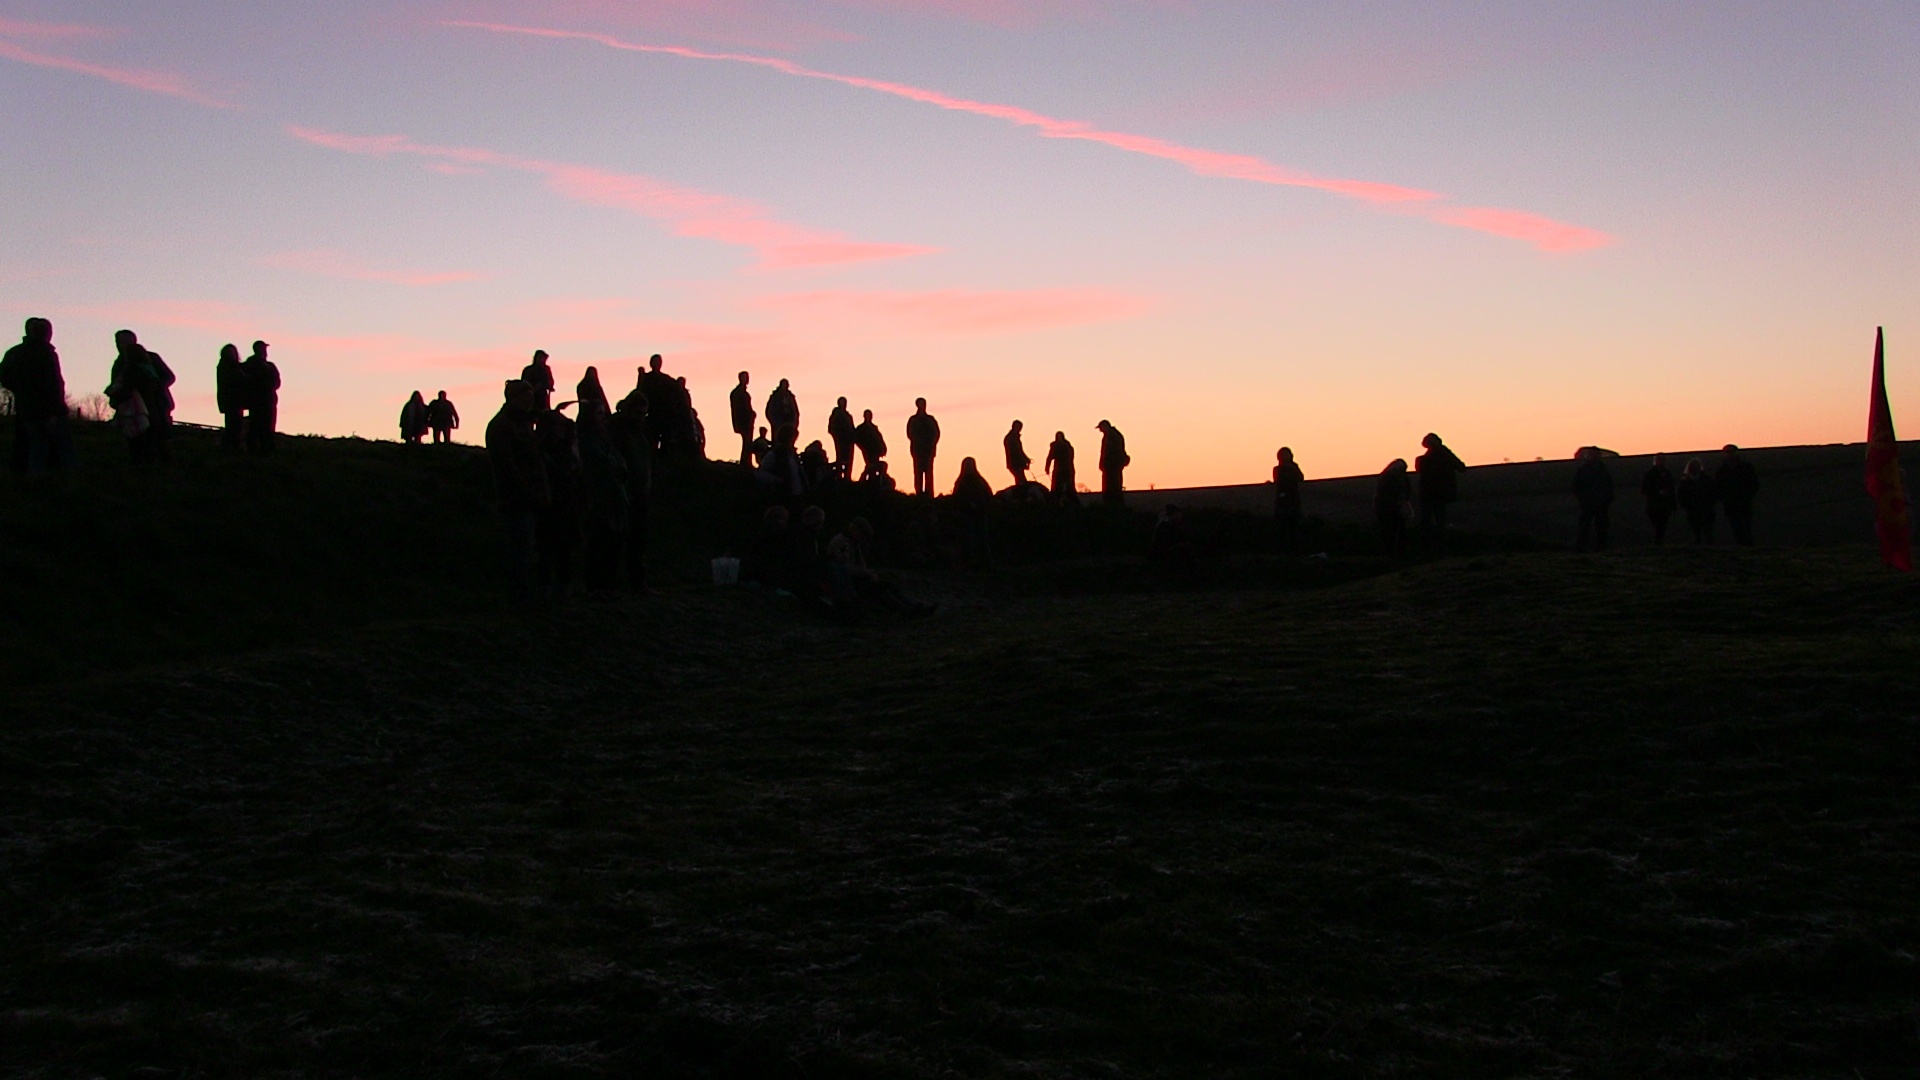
1060	468
878	478
592	396
1017	460
413	420
872	444
263	400
1657	488
30	371
923	441
558	532
143	401
783	411
815	470
1737	485
740	402
1593	489
1392	494
779	473
539	378
230	395
442	418
631	437
1439	471
804	557
1113	464
760	447
1287	483
840	429
519	479
1171	547
1696	496
852	585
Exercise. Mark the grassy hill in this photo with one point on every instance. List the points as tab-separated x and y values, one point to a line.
1650	813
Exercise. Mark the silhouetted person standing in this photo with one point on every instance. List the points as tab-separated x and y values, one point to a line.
1696	496
413	420
230	394
631	437
263	400
442	417
1060	467
840	429
1392	494
1439	471
1593	489
668	408
141	372
1017	460
1737	485
872	444
606	510
1657	488
972	494
761	446
741	403
30	371
1113	464
923	441
592	396
558	522
539	378
783	412
1287	482
519	478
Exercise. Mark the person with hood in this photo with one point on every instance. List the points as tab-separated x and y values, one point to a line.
741	402
413	420
1287	482
1017	460
30	372
442	418
923	441
1113	464
230	395
1657	488
140	389
815	469
1060	467
783	412
1593	489
519	479
840	428
1696	496
1391	495
973	495
1439	471
263	399
592	396
872	444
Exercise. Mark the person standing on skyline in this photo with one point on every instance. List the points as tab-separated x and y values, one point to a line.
1737	485
740	401
1113	464
1439	471
923	441
539	378
230	395
1287	480
30	371
442	417
840	429
1060	467
1593	489
413	419
263	399
783	412
873	446
1017	460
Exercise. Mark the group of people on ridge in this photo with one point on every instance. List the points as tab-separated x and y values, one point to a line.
1731	488
419	416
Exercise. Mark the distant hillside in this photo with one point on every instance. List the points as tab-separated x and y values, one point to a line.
1810	496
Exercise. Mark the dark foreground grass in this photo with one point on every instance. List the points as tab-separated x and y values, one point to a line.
1652	814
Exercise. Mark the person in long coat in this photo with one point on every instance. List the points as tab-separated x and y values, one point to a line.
1060	467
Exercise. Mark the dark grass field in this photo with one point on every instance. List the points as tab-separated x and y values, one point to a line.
1646	814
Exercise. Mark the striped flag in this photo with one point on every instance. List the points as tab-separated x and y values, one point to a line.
1883	469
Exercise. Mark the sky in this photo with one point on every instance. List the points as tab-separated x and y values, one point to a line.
1224	226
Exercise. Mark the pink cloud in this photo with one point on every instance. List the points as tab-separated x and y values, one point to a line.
1203	162
18	28
337	264
1543	233
165	83
957	312
687	211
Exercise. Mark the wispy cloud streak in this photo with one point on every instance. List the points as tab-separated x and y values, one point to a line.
964	313
1560	237
687	211
165	83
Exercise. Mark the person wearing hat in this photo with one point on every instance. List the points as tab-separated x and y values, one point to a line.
1113	463
262	382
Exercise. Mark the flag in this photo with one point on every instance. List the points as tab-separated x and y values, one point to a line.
1883	469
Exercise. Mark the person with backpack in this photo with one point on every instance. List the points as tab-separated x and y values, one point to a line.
140	389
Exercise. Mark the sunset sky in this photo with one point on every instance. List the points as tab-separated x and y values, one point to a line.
1224	226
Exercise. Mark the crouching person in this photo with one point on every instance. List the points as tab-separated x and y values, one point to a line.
852	585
